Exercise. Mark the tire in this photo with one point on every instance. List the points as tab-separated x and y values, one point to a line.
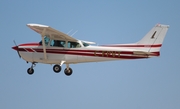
57	68
68	72
30	71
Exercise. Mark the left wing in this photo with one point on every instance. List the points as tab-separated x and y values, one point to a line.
50	32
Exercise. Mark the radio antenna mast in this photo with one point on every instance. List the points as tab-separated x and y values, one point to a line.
74	33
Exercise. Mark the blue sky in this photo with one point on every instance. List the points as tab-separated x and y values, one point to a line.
134	84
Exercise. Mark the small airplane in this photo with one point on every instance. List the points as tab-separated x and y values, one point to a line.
59	48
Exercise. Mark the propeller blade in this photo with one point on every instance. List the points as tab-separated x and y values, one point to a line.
18	53
14	42
17	48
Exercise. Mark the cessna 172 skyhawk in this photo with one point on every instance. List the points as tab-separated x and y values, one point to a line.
59	48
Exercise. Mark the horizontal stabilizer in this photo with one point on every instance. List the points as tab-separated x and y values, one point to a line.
146	53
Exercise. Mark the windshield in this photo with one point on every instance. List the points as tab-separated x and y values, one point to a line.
46	40
85	44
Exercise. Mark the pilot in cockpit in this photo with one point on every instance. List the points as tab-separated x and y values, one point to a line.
57	43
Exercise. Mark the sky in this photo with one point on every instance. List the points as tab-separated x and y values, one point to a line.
133	84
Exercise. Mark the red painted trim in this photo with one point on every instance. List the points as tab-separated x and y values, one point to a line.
113	45
29	44
29	49
109	54
156	45
15	48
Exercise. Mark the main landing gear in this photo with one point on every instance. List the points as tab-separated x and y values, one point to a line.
68	71
56	68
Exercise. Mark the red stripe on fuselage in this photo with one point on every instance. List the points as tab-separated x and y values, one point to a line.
30	44
105	55
94	53
29	49
157	45
113	45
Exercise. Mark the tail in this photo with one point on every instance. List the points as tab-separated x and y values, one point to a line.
153	40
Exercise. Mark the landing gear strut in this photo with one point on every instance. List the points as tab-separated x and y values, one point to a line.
30	70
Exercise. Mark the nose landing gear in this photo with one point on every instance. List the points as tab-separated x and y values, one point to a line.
30	70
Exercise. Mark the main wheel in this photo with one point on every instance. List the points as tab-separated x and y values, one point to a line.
68	72
57	68
30	71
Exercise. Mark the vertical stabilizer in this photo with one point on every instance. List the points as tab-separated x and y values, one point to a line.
154	38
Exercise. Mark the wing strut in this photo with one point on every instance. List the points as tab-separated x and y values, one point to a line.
43	43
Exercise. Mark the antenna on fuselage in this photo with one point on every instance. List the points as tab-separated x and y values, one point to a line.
69	31
74	33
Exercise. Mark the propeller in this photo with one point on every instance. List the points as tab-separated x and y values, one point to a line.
16	48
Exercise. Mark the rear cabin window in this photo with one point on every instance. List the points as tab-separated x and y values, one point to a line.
73	44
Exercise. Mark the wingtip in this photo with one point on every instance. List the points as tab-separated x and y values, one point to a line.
33	24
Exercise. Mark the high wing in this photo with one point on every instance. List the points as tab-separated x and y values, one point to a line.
47	31
50	32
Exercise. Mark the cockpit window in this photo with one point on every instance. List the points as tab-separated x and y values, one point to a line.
57	43
73	45
46	41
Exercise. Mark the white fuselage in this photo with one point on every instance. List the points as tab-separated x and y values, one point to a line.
55	55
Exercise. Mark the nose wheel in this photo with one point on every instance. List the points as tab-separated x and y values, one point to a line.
30	70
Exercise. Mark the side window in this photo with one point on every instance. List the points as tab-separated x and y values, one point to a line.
73	45
57	43
46	40
52	43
